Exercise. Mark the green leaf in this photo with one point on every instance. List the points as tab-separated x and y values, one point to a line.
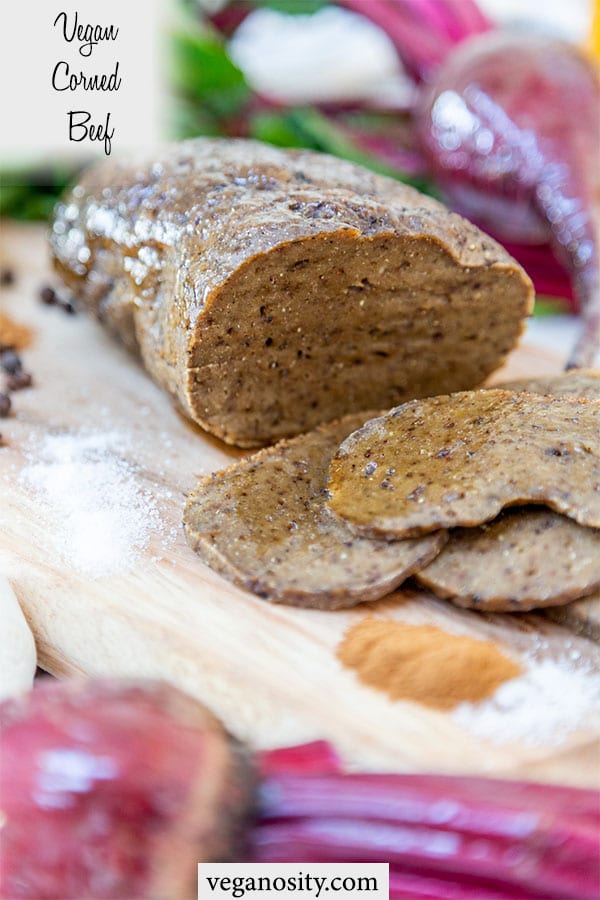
549	306
293	7
189	119
31	194
279	129
10	198
200	68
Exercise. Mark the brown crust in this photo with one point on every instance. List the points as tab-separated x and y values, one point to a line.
460	459
525	559
366	284
264	524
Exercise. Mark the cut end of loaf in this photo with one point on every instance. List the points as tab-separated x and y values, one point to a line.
323	326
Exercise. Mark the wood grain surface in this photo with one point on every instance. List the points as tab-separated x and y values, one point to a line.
270	672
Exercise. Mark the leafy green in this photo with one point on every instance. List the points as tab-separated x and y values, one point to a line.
293	7
186	119
548	306
208	90
281	129
31	194
325	135
202	69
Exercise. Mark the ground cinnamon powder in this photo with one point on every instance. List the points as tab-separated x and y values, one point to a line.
423	663
14	335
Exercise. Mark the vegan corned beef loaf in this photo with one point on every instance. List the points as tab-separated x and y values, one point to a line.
271	290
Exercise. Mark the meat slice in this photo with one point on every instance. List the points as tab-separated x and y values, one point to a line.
582	616
524	559
115	790
582	383
264	523
271	290
460	459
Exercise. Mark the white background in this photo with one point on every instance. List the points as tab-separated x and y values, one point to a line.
34	124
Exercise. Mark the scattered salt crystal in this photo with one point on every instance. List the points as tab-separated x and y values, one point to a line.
542	706
101	516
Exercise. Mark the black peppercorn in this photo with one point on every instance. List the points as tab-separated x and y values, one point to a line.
18	381
10	362
48	296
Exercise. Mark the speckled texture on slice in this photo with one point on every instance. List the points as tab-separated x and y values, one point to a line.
582	616
524	559
271	290
583	383
459	459
264	524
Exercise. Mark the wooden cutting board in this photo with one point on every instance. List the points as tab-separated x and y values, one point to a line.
270	672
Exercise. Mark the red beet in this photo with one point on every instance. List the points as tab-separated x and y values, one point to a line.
115	789
314	758
511	129
423	31
462	837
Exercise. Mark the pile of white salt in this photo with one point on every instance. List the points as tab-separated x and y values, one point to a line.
101	515
553	698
